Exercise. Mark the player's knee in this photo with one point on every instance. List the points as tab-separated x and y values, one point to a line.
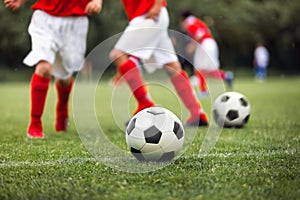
64	82
114	54
173	68
118	56
44	69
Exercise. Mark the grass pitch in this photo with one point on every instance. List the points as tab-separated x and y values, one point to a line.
260	161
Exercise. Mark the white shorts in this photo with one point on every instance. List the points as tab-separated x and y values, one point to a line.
149	40
61	41
206	56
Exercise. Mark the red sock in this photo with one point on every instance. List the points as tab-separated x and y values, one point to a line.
132	75
218	74
186	93
38	92
202	81
63	93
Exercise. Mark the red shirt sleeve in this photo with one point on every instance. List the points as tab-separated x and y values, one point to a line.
197	29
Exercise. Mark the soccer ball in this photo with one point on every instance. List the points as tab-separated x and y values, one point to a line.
231	110
154	134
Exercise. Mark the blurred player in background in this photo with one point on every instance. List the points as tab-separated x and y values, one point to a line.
261	61
206	55
58	31
146	38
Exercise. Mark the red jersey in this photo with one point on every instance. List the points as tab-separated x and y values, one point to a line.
135	8
62	8
197	29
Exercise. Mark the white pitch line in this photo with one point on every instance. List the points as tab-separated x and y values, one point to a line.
46	163
69	161
251	154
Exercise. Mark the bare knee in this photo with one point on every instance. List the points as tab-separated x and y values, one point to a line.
43	69
173	68
118	56
64	82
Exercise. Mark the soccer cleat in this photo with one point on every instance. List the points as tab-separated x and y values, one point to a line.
35	135
202	94
35	130
202	120
142	106
62	124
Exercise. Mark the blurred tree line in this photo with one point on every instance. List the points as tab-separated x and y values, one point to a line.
237	26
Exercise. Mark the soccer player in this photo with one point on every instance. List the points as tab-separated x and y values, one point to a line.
58	31
146	38
261	60
206	55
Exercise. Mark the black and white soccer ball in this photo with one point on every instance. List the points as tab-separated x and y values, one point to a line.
231	110
155	134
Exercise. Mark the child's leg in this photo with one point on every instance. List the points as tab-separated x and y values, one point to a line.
202	81
132	75
220	74
38	91
63	94
185	92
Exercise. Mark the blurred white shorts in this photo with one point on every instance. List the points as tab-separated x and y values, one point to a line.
149	40
61	41
206	56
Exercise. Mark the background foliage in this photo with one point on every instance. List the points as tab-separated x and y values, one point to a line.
237	26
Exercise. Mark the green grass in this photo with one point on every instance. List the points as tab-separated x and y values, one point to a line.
260	161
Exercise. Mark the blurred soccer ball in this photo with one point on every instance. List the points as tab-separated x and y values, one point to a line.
155	134
231	110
